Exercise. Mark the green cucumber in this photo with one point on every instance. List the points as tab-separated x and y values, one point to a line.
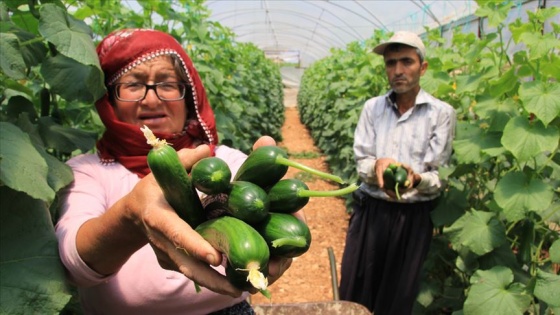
246	250
388	178
290	195
394	177
174	180
286	235
211	175
401	177
266	165
248	202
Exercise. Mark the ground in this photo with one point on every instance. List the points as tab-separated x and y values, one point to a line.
310	278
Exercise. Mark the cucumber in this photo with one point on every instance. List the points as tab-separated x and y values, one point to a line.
388	178
286	235
246	250
248	202
211	176
394	177
174	180
290	195
266	165
401	177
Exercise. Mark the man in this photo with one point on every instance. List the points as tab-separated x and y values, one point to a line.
388	238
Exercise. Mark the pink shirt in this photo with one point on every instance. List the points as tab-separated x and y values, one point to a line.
141	286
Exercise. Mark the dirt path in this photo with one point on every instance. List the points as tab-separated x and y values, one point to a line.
309	278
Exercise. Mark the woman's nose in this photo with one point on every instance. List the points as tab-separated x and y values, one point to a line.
151	99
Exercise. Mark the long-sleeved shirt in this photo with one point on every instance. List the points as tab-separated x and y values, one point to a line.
422	138
141	286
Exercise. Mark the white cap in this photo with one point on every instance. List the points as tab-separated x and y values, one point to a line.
403	37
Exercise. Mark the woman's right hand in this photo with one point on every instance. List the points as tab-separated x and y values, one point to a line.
177	246
143	217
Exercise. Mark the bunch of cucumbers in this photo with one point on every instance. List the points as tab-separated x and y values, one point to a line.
395	177
247	217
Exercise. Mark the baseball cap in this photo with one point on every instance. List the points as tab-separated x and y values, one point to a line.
403	37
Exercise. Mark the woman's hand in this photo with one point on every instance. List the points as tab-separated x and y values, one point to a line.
177	246
144	216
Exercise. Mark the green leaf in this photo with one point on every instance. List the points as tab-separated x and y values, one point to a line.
32	279
33	49
541	99
65	139
18	105
555	252
71	37
495	11
479	231
547	288
495	111
551	68
505	83
526	140
23	168
451	207
60	174
469	83
518	28
500	256
516	193
73	80
472	142
494	292
540	45
11	60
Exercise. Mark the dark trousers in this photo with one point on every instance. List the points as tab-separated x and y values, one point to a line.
386	245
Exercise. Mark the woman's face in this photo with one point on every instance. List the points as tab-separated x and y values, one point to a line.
159	115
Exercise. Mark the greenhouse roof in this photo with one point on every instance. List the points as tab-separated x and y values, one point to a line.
304	31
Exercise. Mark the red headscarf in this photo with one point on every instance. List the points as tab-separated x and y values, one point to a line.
121	51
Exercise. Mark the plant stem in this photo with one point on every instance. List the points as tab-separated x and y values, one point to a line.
327	193
284	161
296	241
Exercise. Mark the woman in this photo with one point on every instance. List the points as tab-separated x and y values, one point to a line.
124	247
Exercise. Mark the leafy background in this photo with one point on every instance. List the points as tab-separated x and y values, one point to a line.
496	248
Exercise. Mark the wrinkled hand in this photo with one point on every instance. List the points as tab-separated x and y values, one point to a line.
381	165
177	246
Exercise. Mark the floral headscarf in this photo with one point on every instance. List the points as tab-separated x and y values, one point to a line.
120	52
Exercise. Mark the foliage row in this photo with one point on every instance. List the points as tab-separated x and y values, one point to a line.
51	77
497	247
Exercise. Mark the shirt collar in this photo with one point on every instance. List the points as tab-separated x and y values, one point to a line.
421	98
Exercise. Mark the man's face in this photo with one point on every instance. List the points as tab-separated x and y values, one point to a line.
404	69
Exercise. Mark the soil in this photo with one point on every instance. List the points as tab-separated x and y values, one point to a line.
310	278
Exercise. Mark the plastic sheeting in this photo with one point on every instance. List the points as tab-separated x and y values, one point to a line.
303	31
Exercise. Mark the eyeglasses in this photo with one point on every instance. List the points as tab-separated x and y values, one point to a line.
136	91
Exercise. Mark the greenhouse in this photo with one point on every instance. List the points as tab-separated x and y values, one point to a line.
235	186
